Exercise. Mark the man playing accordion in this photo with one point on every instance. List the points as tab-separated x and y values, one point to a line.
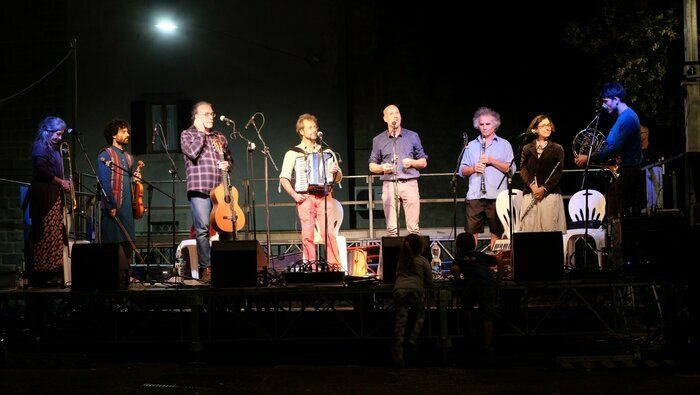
315	171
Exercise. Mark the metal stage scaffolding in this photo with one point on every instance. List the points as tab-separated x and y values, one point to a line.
195	319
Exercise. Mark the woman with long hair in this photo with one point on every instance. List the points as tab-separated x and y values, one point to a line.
413	275
47	236
541	165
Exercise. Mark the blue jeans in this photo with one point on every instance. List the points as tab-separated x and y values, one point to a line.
201	209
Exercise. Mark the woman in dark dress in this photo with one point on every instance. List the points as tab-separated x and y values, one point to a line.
47	236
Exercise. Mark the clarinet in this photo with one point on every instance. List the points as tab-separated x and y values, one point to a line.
483	175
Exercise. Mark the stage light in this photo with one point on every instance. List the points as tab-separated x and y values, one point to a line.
166	26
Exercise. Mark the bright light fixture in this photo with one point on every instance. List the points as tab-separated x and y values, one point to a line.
166	26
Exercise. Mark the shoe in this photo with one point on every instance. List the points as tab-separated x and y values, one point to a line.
397	355
206	275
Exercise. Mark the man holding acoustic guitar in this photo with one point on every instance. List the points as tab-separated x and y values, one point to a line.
315	171
207	162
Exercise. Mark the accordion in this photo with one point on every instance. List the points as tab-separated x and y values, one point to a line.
313	172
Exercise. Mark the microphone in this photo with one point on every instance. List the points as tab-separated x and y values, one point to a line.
528	133
602	108
251	121
227	120
106	162
320	135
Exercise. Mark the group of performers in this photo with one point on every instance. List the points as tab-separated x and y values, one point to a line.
397	155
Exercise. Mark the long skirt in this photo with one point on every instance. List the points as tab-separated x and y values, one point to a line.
46	248
547	215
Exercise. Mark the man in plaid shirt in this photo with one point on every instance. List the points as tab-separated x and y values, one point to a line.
203	166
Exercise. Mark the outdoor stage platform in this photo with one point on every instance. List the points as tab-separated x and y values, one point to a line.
186	319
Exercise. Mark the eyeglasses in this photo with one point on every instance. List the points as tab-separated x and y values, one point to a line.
208	114
544	126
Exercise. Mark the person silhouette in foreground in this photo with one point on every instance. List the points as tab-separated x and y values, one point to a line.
472	270
413	276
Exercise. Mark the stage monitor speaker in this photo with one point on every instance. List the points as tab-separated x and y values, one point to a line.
96	267
236	263
391	247
538	256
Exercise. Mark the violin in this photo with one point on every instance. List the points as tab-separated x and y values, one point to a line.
137	206
226	215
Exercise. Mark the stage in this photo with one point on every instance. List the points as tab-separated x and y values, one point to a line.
185	319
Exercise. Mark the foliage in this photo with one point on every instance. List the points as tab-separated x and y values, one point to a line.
630	44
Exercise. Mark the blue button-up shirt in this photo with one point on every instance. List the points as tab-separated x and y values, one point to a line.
407	146
499	149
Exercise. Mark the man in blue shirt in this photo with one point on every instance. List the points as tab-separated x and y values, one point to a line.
485	161
397	154
623	145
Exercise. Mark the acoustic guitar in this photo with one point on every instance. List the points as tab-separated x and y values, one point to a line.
226	215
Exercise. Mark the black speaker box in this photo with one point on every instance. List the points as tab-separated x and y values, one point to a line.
391	247
236	263
538	256
96	267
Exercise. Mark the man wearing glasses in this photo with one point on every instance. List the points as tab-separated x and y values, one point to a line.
203	165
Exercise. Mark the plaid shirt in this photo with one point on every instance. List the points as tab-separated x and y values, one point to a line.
201	159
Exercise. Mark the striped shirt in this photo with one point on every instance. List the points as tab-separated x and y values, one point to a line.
201	159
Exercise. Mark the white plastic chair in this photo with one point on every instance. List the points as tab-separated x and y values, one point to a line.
335	220
190	248
502	209
579	212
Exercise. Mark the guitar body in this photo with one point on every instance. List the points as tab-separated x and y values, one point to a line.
224	208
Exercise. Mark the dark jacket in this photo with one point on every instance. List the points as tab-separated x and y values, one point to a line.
531	166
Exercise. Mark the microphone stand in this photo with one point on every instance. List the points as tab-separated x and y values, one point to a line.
593	134
395	176
508	177
326	190
103	194
248	188
150	187
173	174
453	184
268	158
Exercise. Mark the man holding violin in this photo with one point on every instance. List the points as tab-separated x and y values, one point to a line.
117	225
202	166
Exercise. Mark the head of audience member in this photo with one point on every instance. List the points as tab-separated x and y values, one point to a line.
411	247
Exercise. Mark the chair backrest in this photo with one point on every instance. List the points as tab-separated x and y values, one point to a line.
595	210
335	220
503	207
